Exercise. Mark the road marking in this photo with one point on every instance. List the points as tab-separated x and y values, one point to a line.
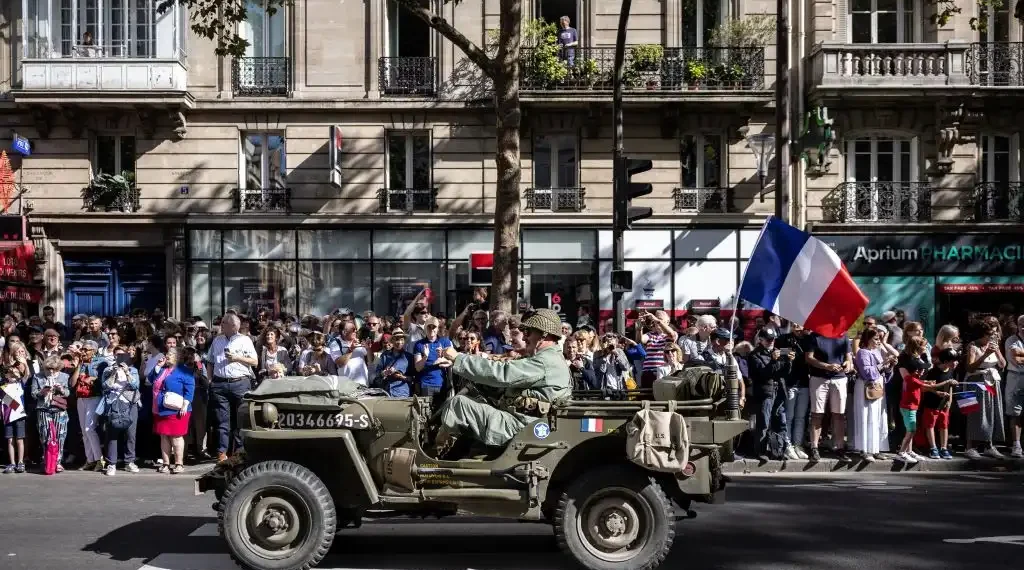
181	561
1015	540
860	485
981	477
208	529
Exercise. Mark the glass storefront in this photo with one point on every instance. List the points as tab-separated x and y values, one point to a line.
317	271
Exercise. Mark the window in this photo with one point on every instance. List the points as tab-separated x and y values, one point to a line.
882	21
998	60
263	166
107	28
325	286
396	284
264	31
406	34
553	10
700	18
703	161
409	161
251	286
884	170
995	159
115	154
555	161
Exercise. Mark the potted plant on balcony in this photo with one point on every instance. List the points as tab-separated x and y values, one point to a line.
696	73
729	75
542	66
645	64
111	193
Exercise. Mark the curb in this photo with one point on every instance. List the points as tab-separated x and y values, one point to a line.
959	464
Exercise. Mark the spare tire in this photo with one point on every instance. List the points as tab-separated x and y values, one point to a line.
277	515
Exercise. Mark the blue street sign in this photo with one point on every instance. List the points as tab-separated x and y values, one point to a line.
21	145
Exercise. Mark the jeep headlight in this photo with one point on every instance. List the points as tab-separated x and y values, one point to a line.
270	414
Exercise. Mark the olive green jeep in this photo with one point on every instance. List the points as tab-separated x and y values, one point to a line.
322	454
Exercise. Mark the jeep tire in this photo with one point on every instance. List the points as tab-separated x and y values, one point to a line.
277	515
615	517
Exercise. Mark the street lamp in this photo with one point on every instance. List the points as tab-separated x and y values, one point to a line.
763	147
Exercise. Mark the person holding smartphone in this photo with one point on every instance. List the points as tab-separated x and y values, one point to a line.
984	360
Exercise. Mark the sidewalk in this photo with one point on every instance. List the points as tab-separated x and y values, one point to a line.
957	464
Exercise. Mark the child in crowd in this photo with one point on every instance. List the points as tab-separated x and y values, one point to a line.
935	404
14	430
912	368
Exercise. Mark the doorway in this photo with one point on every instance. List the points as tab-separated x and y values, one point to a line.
409	65
96	284
551	10
964	302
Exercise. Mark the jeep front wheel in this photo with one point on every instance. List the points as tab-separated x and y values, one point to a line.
615	517
277	515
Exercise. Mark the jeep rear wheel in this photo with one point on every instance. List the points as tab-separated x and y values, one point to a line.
615	517
277	515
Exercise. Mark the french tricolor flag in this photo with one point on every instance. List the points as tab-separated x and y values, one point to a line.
799	278
967	402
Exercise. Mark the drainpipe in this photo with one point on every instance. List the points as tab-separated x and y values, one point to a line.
800	179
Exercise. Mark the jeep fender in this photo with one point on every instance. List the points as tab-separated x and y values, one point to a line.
342	468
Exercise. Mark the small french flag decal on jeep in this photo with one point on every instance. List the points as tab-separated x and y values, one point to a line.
592	425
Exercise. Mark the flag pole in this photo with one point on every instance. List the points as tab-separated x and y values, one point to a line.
733	319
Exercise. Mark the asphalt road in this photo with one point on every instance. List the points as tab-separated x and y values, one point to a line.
875	521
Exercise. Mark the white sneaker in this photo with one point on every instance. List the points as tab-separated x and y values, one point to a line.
917	456
993	452
800	453
791	453
868	457
111	470
1017	451
131	468
906	457
973	454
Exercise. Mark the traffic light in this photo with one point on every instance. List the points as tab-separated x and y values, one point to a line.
626	190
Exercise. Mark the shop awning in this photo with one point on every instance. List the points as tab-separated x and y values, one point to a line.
17	262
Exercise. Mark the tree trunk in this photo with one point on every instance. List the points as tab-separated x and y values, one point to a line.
507	206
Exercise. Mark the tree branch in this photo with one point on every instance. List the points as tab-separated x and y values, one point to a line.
435	21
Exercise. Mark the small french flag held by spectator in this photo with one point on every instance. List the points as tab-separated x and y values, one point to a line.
799	278
967	402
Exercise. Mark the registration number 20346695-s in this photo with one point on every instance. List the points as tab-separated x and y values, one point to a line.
323	420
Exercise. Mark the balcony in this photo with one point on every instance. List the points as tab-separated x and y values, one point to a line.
407	200
263	200
843	70
408	75
556	199
650	71
699	200
878	202
998	202
999	64
137	56
261	76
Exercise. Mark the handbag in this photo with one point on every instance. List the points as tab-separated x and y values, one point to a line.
873	390
173	401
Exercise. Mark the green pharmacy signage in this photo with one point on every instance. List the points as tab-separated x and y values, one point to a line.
929	254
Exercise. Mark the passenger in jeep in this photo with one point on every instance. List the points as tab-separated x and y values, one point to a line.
530	385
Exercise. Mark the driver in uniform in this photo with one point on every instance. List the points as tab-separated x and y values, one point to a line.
529	386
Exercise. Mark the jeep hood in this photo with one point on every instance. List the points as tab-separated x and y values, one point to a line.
309	392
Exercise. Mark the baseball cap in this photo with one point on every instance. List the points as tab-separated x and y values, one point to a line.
722	334
887	316
430	322
767	334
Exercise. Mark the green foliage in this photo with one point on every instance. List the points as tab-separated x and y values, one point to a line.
218	20
946	9
755	31
111	193
646	57
697	70
728	72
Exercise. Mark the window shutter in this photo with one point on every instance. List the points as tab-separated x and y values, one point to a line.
842	8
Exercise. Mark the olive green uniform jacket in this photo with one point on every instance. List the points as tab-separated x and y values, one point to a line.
543	377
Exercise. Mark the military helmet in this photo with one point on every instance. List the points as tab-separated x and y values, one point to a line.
543	320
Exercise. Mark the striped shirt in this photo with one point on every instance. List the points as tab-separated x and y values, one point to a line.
655	347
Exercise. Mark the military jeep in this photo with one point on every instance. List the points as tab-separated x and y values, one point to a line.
323	454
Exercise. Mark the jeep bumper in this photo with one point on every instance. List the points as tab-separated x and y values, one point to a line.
210	481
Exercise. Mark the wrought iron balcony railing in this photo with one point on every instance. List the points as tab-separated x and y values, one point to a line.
266	200
408	75
259	76
701	200
647	68
407	200
998	201
853	202
556	199
996	64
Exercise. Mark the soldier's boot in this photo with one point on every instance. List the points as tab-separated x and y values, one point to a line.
444	441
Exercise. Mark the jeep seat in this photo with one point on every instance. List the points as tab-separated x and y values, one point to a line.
692	383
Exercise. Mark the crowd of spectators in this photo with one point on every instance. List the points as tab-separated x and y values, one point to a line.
146	391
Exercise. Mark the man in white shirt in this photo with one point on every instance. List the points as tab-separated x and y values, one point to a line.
231	358
355	363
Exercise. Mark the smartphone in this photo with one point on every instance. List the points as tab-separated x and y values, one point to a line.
785	351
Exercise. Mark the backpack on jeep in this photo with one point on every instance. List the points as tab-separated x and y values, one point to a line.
658	440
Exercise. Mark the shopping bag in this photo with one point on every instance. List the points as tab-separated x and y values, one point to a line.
52	457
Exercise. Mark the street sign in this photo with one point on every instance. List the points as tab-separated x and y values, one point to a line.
21	145
649	304
481	268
